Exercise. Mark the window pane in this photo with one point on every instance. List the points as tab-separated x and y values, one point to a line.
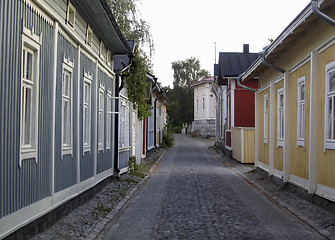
332	81
24	63
27	116
302	92
29	66
330	106
281	100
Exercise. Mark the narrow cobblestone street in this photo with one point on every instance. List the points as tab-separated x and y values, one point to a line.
192	195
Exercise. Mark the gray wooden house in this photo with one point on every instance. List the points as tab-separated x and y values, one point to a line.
57	91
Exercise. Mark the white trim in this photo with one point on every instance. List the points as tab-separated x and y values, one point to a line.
313	121
242	145
88	78
298	181
271	140
263	166
304	61
30	43
267	86
325	192
78	117
89	36
232	104
287	126
101	122
278	173
266	119
71	22
329	143
280	118
324	46
301	141
256	128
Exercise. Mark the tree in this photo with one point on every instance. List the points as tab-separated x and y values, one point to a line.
188	71
135	28
181	96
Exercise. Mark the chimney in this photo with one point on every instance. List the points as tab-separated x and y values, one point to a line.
245	48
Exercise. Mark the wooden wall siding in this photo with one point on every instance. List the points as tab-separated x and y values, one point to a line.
263	148
249	145
124	159
325	162
299	156
66	166
86	159
105	157
237	144
20	187
279	151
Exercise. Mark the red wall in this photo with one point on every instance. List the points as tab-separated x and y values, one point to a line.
245	105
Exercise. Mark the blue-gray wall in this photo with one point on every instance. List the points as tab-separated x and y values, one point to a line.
21	186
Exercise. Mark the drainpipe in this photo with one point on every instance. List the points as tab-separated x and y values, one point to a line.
238	79
320	14
270	65
116	133
155	128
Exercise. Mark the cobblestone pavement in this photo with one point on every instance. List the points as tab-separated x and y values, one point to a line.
89	219
193	195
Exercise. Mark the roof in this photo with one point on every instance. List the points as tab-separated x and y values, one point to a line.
232	64
100	18
202	81
121	61
294	30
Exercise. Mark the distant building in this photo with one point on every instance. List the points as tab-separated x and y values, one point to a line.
204	108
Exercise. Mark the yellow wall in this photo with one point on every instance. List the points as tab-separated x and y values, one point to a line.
279	152
326	160
299	156
263	148
249	146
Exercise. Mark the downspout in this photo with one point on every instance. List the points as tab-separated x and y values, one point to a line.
320	14
270	65
117	95
218	108
155	128
238	79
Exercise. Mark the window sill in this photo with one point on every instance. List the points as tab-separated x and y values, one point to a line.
301	143
66	151
329	145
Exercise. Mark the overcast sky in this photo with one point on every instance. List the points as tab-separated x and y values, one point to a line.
189	28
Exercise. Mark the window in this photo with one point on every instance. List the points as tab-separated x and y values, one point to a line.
87	111
123	124
67	103
203	103
71	15
301	112
109	120
89	35
280	116
109	58
101	118
101	50
197	104
266	118
330	107
29	95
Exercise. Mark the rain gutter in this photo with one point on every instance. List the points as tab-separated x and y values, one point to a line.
320	14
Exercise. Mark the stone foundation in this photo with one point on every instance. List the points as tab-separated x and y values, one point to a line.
205	128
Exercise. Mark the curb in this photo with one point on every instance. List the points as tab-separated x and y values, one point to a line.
102	224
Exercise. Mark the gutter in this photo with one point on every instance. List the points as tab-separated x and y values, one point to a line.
270	65
215	91
320	14
116	126
155	128
238	79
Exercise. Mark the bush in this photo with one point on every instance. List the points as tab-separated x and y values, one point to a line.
168	138
132	167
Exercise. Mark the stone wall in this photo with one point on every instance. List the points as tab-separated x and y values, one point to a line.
205	128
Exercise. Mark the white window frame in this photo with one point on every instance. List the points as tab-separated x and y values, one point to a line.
109	119
301	113
101	118
71	15
280	118
101	50
123	112
30	43
109	58
329	142
68	130
197	104
87	107
89	36
266	118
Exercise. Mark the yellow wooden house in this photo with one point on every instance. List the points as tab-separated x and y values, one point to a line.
295	103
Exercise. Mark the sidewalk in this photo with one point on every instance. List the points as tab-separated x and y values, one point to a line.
284	194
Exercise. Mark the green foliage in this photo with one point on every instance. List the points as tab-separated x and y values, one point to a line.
132	165
136	83
168	138
187	72
101	211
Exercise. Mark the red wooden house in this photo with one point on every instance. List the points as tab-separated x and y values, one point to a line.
240	120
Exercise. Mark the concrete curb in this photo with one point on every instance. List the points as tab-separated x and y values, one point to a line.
102	224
